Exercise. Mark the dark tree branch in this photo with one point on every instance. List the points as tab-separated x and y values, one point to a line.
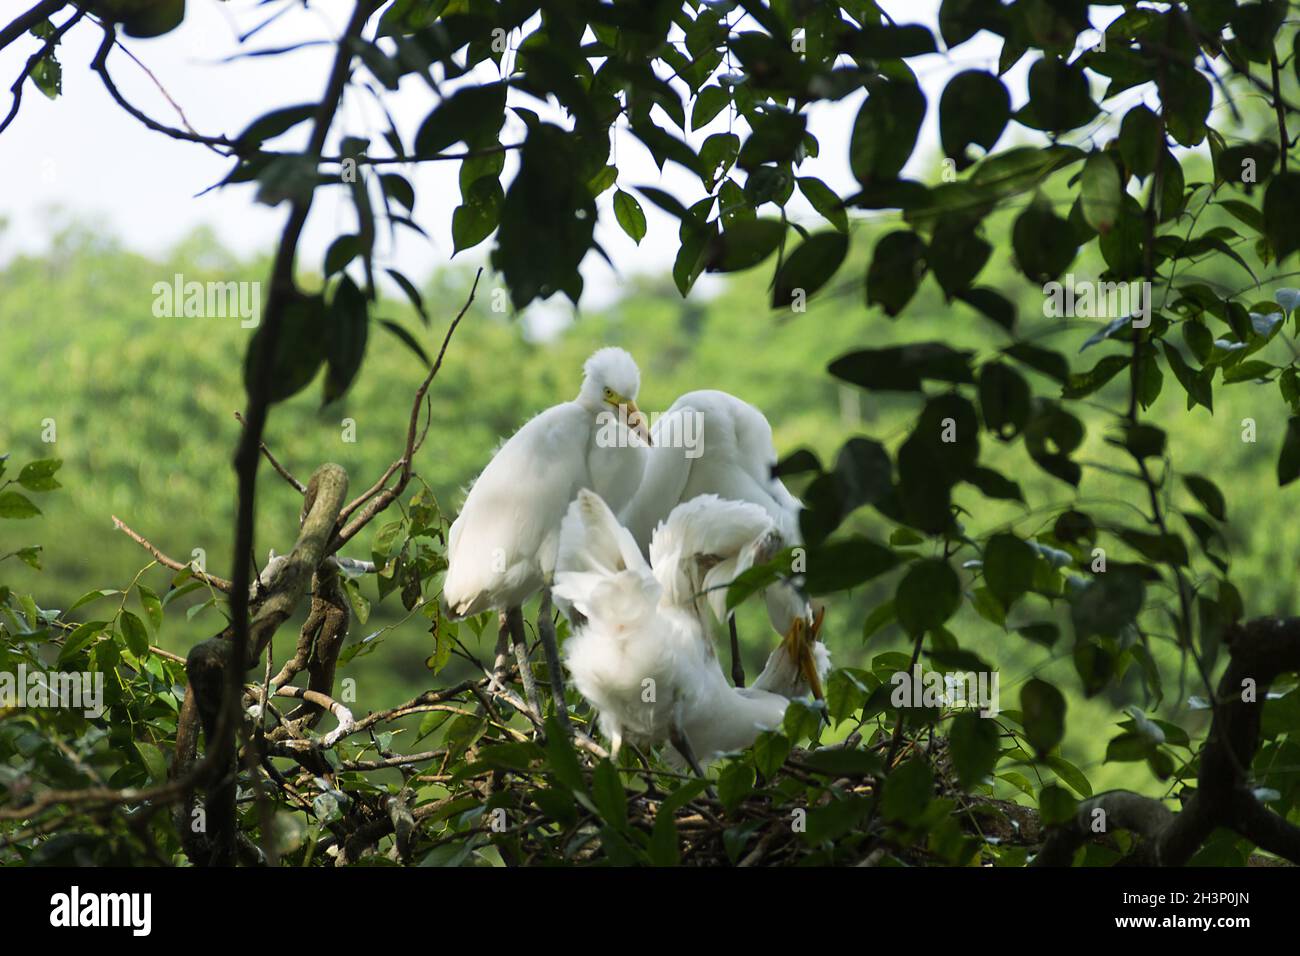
244	634
50	43
100	65
25	21
1261	650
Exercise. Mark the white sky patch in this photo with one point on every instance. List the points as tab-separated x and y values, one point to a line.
83	154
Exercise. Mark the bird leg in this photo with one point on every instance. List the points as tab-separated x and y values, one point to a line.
677	737
546	630
737	665
501	654
514	618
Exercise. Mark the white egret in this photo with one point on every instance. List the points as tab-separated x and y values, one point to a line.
710	442
641	653
501	548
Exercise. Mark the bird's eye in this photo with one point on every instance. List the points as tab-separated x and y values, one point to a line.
609	393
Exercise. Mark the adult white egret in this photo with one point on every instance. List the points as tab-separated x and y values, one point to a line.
711	442
641	653
501	548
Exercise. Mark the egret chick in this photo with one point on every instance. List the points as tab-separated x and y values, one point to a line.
711	442
501	549
640	653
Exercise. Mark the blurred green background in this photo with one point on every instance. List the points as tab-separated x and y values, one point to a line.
144	412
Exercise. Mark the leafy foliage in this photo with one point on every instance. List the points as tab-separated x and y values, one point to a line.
1145	194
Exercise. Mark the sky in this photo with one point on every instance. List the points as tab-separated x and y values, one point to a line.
81	157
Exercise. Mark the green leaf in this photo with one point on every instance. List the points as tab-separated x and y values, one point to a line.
885	130
1043	242
1186	95
1288	462
547	219
407	339
808	268
735	783
630	215
411	292
1107	602
927	596
79	639
153	607
469	114
881	615
1140	140
1056	806
562	759
1158	548
1281	224
836	818
907	791
1005	400
153	760
1044	633
974	108
16	506
1198	385
475	218
897	265
347	326
841	565
822	198
133	631
974	744
717	155
771	748
903	368
274	124
959	254
744	245
709	102
47	74
1072	775
299	349
1208	494
1100	192
39	475
1042	714
341	252
1008	567
1058	97
608	794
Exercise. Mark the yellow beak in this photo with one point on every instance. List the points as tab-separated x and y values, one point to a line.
636	420
799	644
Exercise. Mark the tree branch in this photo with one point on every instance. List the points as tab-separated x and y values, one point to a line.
414	438
25	21
1261	650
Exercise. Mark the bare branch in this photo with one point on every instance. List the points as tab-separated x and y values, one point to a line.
403	464
221	584
280	470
